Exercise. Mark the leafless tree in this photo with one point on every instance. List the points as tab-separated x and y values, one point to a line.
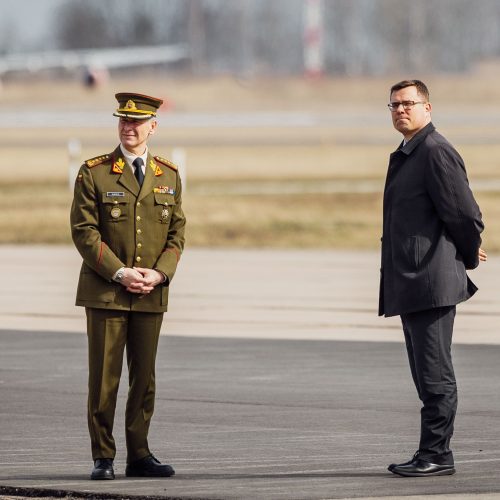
266	36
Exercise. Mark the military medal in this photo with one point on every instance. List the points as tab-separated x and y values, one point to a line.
116	212
164	190
164	215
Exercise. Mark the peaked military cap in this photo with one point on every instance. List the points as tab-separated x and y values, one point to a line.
136	106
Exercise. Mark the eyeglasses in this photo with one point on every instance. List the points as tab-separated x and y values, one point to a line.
407	105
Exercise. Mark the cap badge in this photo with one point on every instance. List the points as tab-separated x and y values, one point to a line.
130	105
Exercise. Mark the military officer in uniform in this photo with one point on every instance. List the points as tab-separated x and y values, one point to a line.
128	225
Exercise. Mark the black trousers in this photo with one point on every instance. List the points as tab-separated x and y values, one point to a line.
428	337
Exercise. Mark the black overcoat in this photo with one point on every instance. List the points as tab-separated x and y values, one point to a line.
431	227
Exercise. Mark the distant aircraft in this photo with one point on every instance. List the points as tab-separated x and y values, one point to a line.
95	63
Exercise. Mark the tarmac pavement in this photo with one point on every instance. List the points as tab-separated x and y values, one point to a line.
276	380
282	294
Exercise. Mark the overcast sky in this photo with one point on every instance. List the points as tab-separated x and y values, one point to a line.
26	24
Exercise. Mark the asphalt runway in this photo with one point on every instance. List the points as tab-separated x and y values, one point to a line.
247	418
276	380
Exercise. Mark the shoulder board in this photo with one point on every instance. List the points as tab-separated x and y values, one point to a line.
93	162
167	163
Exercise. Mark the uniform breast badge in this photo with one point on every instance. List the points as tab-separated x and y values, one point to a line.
164	215
116	212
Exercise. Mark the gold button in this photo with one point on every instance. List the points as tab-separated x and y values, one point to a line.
138	258
115	202
139	231
138	203
166	203
138	217
139	245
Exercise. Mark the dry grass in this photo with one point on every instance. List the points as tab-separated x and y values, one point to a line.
35	198
490	207
308	220
39	212
233	162
320	220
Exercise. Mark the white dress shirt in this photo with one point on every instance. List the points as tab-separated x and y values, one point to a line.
130	157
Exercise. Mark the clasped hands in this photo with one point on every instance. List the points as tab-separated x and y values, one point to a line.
141	280
482	255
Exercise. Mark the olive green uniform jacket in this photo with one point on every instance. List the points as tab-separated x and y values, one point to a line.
115	223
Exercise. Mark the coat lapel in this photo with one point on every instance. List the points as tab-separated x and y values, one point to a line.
128	181
122	169
149	178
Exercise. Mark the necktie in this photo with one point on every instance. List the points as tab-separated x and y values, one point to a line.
139	175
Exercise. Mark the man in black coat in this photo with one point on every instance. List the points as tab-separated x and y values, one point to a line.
431	235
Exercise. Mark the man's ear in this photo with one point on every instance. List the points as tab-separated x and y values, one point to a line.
153	127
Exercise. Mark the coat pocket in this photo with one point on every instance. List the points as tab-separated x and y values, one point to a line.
411	253
164	206
418	251
115	207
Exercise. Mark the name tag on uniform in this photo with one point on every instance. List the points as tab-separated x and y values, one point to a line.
115	194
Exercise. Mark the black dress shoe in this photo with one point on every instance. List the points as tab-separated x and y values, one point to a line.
148	467
103	469
412	459
421	468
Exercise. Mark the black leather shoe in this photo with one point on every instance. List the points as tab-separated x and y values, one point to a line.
148	467
412	459
103	469
421	468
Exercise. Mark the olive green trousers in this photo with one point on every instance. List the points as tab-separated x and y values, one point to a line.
109	332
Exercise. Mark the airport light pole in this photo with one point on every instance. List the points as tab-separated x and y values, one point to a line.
313	38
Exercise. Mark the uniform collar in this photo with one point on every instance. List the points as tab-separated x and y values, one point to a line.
130	157
408	148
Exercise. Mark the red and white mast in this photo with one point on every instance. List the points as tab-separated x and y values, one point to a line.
313	38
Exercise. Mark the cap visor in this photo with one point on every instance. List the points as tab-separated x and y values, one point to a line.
133	116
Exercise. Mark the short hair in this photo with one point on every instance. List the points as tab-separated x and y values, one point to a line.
421	87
